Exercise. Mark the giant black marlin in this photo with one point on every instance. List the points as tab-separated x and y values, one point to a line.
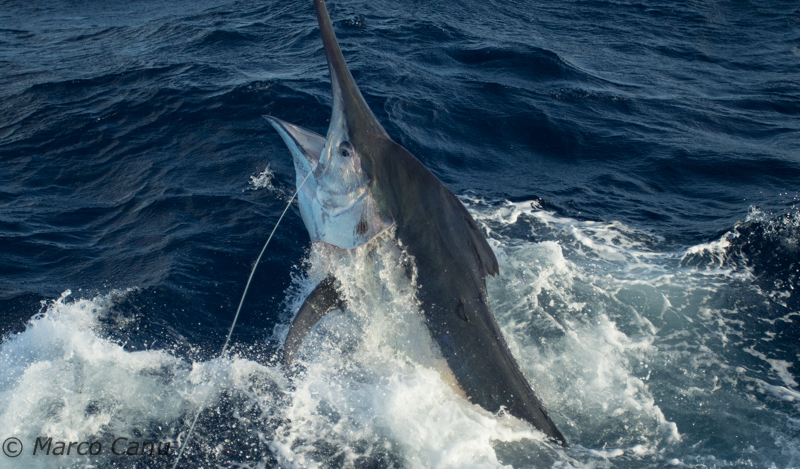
356	183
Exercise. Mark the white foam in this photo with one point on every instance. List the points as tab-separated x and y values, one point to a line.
587	369
58	367
262	180
597	316
716	250
62	379
779	367
611	241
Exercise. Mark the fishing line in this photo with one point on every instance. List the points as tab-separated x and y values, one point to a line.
236	317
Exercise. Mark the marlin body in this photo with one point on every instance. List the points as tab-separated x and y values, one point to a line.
356	183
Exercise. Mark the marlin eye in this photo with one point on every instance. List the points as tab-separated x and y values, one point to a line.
345	149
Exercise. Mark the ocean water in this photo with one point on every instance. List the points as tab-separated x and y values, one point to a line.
635	165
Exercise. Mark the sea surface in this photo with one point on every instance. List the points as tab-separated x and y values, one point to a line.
635	165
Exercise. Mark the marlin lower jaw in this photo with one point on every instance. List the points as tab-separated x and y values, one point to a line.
305	146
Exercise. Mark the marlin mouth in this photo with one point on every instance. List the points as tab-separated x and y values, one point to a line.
301	142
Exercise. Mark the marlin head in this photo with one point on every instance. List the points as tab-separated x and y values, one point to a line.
336	201
306	147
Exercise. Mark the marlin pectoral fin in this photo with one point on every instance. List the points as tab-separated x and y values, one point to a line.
323	299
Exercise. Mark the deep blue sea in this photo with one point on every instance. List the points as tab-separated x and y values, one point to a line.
635	165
